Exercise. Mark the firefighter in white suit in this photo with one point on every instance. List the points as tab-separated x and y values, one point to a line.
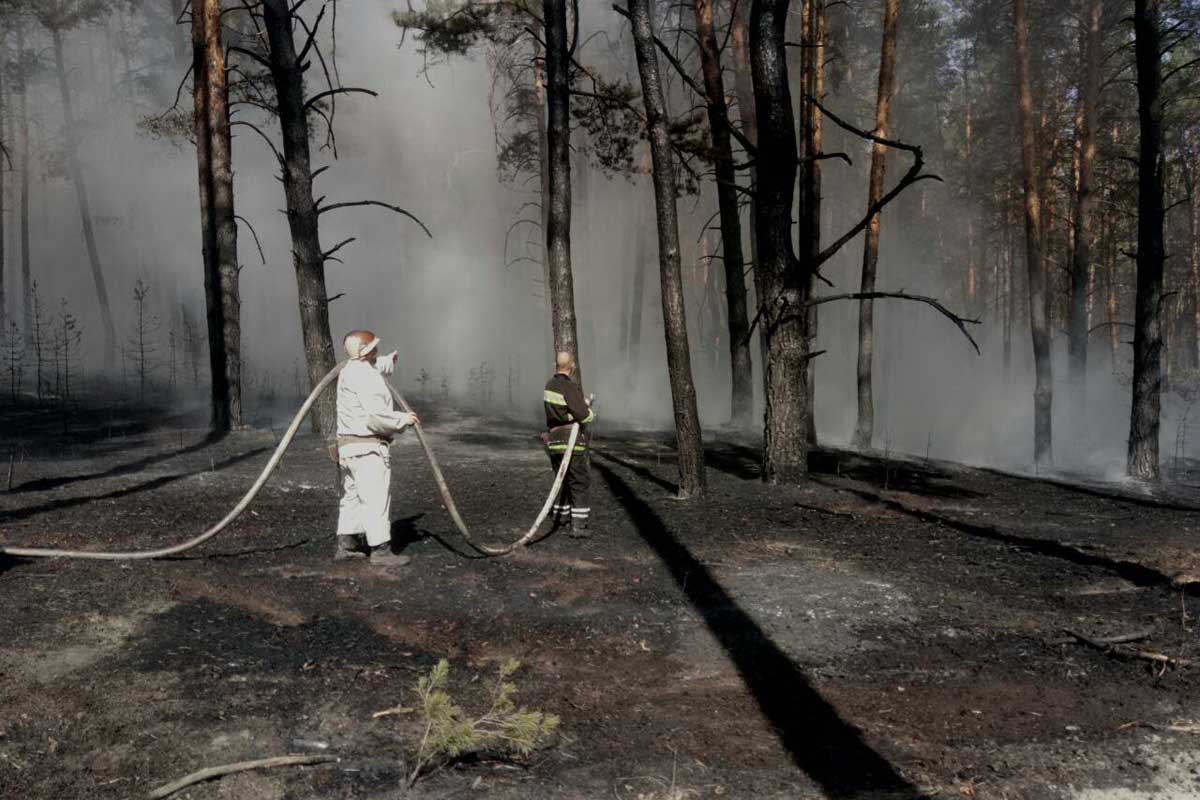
367	419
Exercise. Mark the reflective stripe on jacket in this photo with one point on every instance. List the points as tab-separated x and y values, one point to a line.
564	404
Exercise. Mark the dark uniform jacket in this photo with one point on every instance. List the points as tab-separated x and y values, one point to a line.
564	404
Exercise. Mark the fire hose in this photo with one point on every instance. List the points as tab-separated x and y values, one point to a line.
273	464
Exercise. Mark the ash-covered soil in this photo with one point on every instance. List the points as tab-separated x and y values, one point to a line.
888	630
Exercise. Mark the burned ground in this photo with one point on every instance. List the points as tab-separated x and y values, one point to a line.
889	629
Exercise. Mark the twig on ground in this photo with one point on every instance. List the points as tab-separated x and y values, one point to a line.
1104	641
229	769
1107	646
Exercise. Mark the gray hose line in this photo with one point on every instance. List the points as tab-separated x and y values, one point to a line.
452	509
247	498
273	464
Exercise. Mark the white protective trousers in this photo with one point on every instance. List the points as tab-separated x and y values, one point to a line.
366	504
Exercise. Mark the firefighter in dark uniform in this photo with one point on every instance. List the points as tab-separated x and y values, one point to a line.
565	404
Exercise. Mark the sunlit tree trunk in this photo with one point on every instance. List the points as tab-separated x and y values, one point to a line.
217	223
785	287
865	428
558	215
1151	254
809	222
1081	266
1035	265
739	45
75	169
731	225
683	391
302	213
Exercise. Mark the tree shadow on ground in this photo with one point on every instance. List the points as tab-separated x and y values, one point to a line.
742	461
49	484
1136	574
828	749
164	480
642	472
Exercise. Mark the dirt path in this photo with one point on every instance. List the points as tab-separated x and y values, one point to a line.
884	631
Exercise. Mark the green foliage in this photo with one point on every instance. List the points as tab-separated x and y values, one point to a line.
450	732
176	126
615	128
453	28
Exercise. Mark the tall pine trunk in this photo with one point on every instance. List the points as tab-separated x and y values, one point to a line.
302	213
683	391
558	215
785	288
1081	262
865	428
809	223
23	124
1151	254
743	79
742	374
1043	394
85	211
217	223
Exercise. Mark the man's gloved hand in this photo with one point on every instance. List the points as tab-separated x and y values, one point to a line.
387	364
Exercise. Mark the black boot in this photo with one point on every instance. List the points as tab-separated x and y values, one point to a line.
579	529
382	556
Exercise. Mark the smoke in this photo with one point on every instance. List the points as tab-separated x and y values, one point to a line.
459	302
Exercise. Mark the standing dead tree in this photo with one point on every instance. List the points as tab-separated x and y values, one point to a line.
58	17
683	391
272	51
141	347
218	224
66	341
12	347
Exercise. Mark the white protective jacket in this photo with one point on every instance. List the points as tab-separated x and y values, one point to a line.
366	411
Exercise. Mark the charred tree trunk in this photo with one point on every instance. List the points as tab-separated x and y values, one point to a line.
558	215
683	391
1151	255
302	212
739	42
1081	262
638	301
1035	265
742	371
217	223
23	124
865	428
85	211
1189	164
5	168
785	287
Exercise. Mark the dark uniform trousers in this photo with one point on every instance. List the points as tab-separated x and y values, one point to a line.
574	499
564	405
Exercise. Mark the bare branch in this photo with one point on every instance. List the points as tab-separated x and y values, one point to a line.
960	322
397	209
253	233
265	138
339	90
328	254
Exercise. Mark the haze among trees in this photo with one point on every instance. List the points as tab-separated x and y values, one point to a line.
826	191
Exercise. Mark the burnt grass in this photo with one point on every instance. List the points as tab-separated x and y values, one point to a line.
889	629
